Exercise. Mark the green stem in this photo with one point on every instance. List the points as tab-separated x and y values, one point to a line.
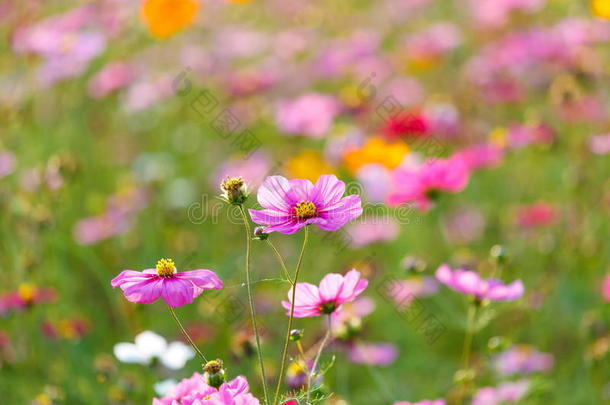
281	260
317	359
251	303
472	311
290	319
186	335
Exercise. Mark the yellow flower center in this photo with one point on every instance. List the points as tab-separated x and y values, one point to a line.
232	184
305	210
26	291
166	268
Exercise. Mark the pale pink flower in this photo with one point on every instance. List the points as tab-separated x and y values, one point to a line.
375	354
422	184
496	13
311	115
372	230
175	288
112	77
481	156
522	359
435	41
335	290
289	205
253	170
507	392
470	283
7	163
403	292
600	144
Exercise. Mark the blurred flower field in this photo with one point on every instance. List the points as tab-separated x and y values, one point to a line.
262	202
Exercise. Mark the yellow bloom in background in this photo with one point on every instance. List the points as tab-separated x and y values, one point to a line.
308	164
601	8
376	150
499	137
167	17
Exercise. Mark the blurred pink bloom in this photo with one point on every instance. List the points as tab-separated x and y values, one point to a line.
7	163
470	283
435	41
496	13
355	309
520	136
147	92
194	391
537	214
311	115
375	354
522	359
334	291
176	288
606	288
112	77
403	292
508	392
289	205
598	144
25	296
587	108
95	229
371	230
253	170
423	402
376	181
340	57
422	184
481	156
463	225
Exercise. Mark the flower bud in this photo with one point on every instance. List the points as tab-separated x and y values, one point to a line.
499	254
260	234
296	335
215	374
234	190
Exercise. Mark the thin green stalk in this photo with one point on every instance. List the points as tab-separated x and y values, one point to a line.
251	303
186	335
317	359
472	310
290	319
281	260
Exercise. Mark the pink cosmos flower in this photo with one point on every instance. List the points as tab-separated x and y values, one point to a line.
310	115
176	289
538	214
507	392
423	183
375	354
289	205
112	77
522	359
372	230
469	282
423	402
334	291
195	391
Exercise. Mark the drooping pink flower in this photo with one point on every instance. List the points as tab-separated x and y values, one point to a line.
289	205
335	290
423	402
176	288
606	288
375	354
469	282
310	115
522	359
422	184
195	391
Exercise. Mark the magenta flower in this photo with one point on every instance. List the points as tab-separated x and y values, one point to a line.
194	391
334	291
422	184
469	282
176	289
289	205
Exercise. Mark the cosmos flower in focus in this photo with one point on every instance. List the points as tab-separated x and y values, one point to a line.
423	184
148	346
311	115
195	391
470	283
335	290
289	205
164	281
376	151
165	18
308	164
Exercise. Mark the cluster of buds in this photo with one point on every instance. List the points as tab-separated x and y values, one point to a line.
234	190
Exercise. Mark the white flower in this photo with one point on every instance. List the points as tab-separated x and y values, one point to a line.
148	345
163	388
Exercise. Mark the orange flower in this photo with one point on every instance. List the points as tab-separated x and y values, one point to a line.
376	150
167	17
308	164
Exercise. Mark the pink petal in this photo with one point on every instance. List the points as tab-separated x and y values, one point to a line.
328	190
342	212
177	292
143	292
272	194
300	190
269	217
129	276
331	287
202	279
